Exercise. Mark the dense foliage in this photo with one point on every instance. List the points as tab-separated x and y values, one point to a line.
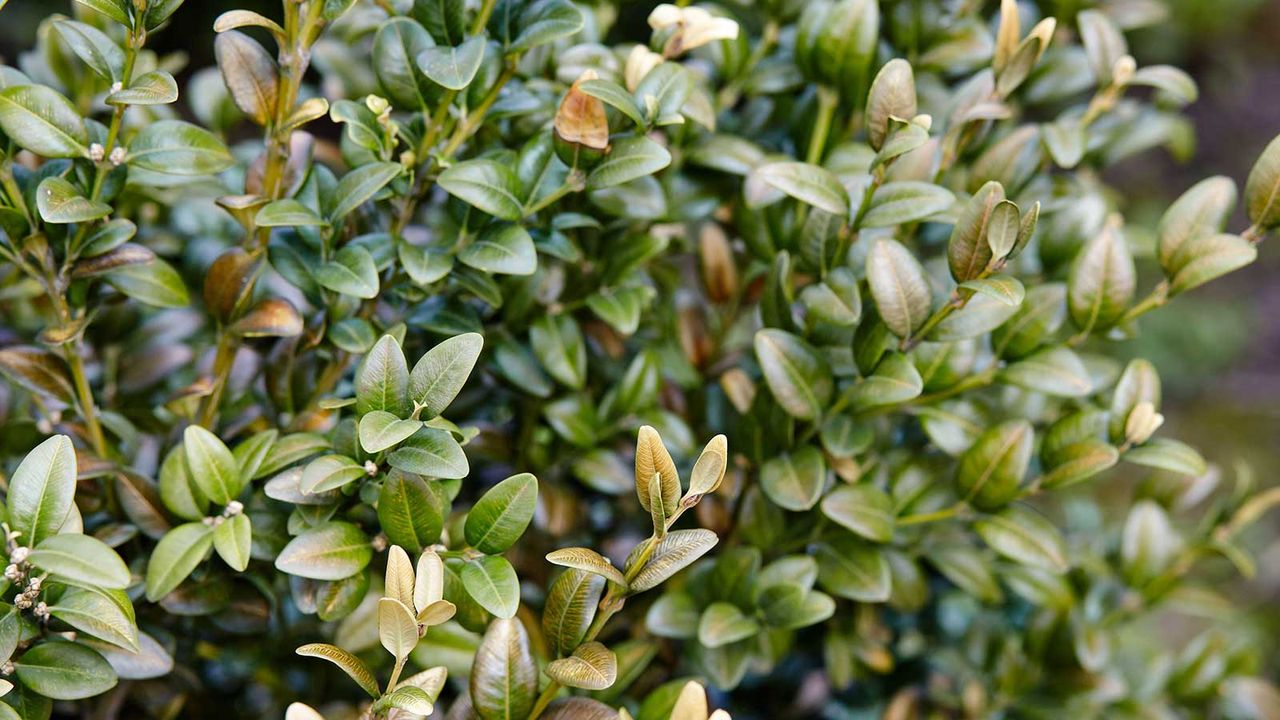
794	330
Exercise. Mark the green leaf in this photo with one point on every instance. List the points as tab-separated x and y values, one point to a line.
630	159
94	47
895	380
893	94
546	21
836	300
663	91
807	183
905	201
1261	192
621	307
1079	462
159	11
380	430
558	343
1054	371
1209	257
1103	42
351	272
104	614
723	623
329	472
114	9
864	509
1200	211
212	466
1024	536
592	666
290	449
1168	454
587	560
726	153
981	314
175	557
332	551
992	469
41	120
175	147
492	582
232	540
1066	141
616	96
1003	229
249	74
433	453
903	138
81	559
795	480
1102	281
251	453
676	551
1171	81
424	266
501	249
1149	543
439	374
798	377
1041	314
396	47
504	674
453	67
967	569
411	699
487	185
358	186
852	569
899	287
155	283
500	516
42	490
287	213
382	380
569	609
999	287
410	512
109	236
350	664
969	251
64	671
790	608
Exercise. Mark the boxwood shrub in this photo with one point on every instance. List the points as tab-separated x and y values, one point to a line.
515	359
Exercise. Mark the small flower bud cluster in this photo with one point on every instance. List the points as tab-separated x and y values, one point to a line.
30	598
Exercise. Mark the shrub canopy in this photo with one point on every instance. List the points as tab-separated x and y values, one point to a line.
521	362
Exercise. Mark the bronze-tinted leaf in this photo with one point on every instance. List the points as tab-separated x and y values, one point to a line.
229	281
580	120
504	676
249	73
272	317
127	254
38	370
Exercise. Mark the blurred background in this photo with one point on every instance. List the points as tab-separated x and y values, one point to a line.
1218	352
